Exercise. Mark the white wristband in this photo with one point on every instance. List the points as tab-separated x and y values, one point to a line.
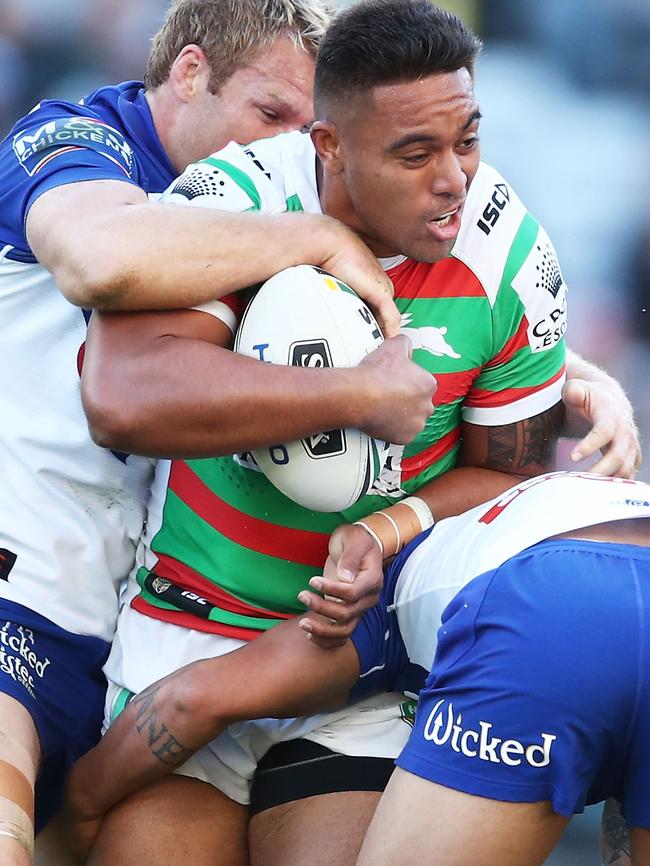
371	533
421	509
393	523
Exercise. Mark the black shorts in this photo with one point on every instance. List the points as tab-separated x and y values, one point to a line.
299	768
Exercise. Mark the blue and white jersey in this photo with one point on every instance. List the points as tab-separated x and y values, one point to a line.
397	639
70	512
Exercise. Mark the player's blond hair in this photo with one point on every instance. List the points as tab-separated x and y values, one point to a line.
231	32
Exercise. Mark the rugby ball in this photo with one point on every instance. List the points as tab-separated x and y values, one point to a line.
305	317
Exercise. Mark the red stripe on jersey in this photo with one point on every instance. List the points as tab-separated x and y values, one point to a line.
453	386
490	399
516	342
413	465
449	278
187	620
183	576
307	548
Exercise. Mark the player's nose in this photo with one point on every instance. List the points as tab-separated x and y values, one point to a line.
450	178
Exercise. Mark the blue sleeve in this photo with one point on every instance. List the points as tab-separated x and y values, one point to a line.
58	143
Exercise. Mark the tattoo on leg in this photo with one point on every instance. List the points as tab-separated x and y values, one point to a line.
162	743
616	838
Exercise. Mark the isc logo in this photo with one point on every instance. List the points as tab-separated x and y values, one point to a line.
492	211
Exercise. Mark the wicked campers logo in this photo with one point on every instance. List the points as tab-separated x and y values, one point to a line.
18	657
444	727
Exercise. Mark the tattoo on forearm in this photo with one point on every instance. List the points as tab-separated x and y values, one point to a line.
616	837
527	447
163	745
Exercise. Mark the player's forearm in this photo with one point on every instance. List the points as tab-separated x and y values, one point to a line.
491	460
578	367
233	404
153	735
109	247
161	257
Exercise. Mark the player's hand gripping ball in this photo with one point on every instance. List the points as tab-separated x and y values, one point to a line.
307	318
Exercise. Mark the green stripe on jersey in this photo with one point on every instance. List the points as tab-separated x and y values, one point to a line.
120	701
508	308
294	204
241	179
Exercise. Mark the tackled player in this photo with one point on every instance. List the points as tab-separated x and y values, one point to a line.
394	154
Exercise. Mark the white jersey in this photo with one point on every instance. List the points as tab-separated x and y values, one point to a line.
463	547
70	512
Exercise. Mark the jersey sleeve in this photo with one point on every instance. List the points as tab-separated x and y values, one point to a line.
513	259
55	145
525	375
228	180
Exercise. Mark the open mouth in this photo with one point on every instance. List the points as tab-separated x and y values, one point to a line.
446	226
445	218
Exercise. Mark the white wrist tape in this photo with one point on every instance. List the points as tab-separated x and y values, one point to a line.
421	509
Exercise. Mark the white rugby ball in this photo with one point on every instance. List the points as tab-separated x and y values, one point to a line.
306	318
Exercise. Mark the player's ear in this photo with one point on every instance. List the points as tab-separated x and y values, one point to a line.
326	140
190	73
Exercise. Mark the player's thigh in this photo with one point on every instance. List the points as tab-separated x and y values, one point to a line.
177	820
19	760
323	830
418	821
640	846
310	804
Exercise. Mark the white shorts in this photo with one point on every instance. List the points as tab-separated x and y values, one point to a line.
378	726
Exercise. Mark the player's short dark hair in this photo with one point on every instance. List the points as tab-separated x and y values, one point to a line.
387	41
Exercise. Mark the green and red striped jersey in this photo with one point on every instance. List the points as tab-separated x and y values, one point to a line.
224	551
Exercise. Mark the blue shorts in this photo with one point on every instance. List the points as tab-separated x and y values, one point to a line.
540	689
57	676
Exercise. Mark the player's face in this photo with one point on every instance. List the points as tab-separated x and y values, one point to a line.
271	95
407	161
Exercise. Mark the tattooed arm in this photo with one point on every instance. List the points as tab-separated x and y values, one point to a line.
278	675
492	459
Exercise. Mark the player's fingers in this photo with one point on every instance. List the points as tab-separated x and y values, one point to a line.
600	435
404	344
338	612
324	632
616	462
367	583
387	314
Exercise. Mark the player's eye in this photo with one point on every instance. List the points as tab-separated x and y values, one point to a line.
269	114
469	142
415	158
